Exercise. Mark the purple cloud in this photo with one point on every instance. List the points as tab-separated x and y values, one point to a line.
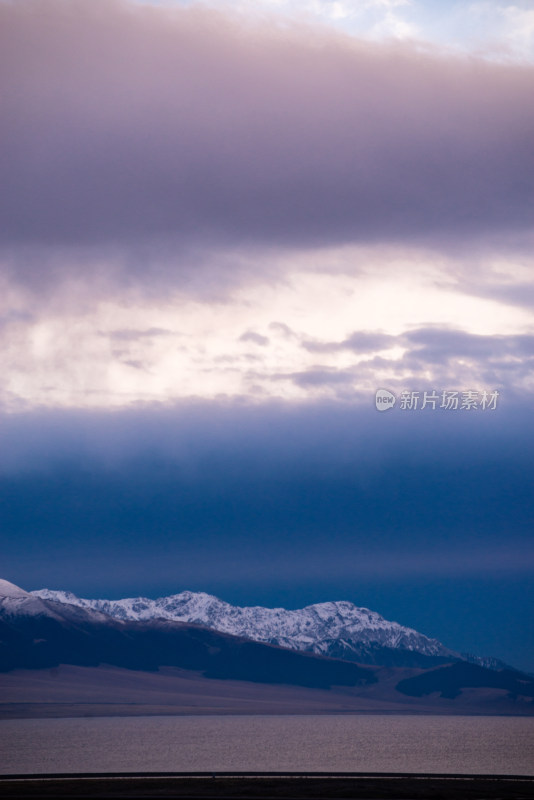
434	355
319	377
359	342
129	127
131	335
436	345
255	338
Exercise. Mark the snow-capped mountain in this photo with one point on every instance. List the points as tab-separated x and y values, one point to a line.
336	629
16	602
40	633
37	633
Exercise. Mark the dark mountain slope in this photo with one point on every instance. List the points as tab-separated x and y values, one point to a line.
36	633
450	680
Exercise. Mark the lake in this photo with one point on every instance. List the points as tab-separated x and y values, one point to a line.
380	743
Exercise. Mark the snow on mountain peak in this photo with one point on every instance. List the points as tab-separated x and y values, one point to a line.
331	628
15	601
8	589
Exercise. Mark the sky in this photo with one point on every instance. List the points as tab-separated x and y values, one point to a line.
225	226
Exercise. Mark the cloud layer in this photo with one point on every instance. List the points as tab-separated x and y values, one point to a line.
201	211
137	128
424	518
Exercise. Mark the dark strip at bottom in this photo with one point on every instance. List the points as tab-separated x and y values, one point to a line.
278	787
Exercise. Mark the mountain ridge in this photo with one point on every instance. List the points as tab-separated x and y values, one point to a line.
336	629
38	633
44	635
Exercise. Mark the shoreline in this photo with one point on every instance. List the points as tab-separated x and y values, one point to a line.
54	710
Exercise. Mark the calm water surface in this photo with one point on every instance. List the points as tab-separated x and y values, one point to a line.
488	745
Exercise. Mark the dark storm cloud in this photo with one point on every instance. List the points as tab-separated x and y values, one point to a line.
230	489
237	457
144	127
276	503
